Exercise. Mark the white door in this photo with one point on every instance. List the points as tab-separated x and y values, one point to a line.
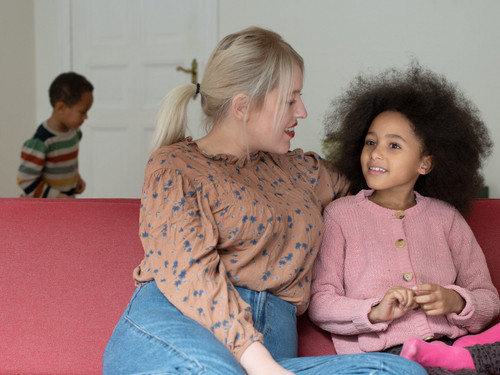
130	51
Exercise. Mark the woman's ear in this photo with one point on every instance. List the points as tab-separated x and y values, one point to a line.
426	165
240	105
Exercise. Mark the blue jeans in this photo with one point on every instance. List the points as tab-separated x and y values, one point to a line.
154	337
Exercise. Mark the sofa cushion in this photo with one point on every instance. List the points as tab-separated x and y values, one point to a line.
66	279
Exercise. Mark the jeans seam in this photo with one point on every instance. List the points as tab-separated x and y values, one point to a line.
201	369
260	315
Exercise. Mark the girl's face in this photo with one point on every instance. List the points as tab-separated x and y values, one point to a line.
391	159
266	135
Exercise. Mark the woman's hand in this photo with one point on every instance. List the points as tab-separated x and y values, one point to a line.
436	300
397	301
256	360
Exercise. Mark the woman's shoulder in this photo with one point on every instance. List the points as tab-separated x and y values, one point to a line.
176	155
301	156
307	162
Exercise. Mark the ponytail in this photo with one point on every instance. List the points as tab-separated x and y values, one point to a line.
171	123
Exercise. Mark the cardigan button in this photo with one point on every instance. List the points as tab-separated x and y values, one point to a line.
400	243
400	214
407	276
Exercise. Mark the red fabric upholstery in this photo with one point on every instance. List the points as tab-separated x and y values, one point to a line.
66	279
484	221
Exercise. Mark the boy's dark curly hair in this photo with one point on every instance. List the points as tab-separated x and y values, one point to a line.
68	88
448	124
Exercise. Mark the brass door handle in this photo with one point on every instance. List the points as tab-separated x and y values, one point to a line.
193	71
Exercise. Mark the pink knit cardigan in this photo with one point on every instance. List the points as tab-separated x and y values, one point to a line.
367	249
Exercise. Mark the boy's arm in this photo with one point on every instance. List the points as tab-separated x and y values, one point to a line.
29	177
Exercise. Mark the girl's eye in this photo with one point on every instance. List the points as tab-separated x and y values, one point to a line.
369	142
394	145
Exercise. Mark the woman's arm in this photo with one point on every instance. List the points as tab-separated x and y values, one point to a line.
180	237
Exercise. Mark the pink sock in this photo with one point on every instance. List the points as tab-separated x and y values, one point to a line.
487	337
451	358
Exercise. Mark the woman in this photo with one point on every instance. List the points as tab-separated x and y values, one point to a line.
230	225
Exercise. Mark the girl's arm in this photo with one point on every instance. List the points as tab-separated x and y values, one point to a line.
473	282
329	308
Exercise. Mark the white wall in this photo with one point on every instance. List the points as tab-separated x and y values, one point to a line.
17	88
340	38
337	38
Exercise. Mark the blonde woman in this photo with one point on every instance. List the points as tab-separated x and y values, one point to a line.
231	224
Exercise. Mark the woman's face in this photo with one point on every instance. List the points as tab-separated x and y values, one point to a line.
266	135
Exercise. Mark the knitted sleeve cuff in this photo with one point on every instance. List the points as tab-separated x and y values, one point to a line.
360	317
467	312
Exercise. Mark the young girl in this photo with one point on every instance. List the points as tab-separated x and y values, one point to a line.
398	261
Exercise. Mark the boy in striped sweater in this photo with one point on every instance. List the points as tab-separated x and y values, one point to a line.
49	160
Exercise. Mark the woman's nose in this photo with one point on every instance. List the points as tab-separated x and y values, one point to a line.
301	110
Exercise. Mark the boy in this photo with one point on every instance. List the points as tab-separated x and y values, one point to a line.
49	160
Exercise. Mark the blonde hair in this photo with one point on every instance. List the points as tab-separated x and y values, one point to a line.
253	61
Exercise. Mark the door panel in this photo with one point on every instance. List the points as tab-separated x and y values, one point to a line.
130	50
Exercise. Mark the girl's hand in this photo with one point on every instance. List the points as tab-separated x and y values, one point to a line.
256	360
436	300
397	301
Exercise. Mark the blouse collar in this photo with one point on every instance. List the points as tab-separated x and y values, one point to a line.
242	161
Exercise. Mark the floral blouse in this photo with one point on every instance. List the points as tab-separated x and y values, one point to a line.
209	223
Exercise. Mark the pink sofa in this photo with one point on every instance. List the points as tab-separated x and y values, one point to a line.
66	279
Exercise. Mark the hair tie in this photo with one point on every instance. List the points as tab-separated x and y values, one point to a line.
197	89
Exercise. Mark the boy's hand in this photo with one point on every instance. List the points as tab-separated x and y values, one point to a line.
436	300
397	301
80	186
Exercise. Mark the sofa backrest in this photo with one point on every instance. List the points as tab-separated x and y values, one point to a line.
484	221
65	281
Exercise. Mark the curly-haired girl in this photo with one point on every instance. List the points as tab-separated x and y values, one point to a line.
398	260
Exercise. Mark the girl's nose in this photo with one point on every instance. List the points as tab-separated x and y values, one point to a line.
376	154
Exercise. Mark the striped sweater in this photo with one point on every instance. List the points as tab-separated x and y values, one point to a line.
49	163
